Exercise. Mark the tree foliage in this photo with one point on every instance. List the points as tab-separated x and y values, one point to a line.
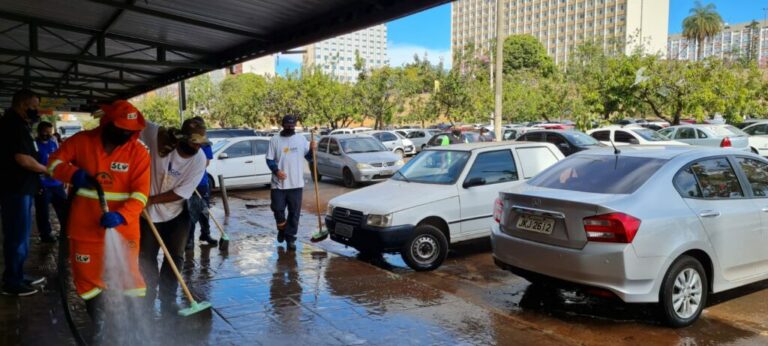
525	52
160	108
702	23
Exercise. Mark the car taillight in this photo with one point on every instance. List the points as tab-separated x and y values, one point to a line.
725	143
498	208
611	228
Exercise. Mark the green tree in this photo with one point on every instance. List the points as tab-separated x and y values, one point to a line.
202	95
282	97
702	23
162	109
241	101
324	100
378	95
525	52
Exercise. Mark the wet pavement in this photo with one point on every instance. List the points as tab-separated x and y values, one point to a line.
326	294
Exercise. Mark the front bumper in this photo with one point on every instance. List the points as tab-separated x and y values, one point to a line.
378	239
614	267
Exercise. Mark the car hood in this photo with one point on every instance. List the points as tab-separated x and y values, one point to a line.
379	156
392	196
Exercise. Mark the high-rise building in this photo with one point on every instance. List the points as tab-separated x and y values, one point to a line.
735	41
561	25
336	56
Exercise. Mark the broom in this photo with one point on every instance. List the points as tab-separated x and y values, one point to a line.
224	240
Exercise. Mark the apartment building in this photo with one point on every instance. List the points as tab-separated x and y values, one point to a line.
735	41
336	56
561	25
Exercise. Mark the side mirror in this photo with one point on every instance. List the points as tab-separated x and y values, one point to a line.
223	156
336	153
476	181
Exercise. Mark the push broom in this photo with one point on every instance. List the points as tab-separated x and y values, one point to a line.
224	240
322	233
194	306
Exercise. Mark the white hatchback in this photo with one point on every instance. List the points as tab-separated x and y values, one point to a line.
630	135
242	161
442	196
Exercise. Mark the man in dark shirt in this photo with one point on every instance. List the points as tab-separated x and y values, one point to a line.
52	190
20	180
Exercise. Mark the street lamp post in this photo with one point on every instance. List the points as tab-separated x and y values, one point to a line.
499	70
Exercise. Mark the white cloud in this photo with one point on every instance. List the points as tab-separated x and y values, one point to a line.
400	54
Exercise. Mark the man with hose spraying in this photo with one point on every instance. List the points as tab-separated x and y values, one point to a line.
113	156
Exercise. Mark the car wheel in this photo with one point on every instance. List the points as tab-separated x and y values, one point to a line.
312	171
400	153
426	249
349	178
684	292
423	146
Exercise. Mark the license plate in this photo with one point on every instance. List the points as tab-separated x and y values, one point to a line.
536	224
343	230
386	173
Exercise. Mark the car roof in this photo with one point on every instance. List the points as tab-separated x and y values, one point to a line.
666	152
483	145
349	135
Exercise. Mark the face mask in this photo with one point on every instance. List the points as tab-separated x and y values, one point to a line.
287	132
456	133
45	137
187	149
33	115
116	135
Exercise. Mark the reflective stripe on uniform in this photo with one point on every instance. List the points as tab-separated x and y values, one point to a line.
136	292
109	196
140	196
91	294
53	166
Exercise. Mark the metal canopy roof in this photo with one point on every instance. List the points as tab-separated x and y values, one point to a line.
100	50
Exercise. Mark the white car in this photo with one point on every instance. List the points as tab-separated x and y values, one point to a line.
442	196
395	142
241	161
758	137
347	131
630	135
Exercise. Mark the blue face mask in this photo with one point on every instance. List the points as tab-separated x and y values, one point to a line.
33	115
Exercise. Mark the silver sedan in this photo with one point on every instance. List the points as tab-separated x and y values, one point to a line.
665	225
355	159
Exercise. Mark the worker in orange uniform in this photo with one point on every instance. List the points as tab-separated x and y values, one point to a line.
114	156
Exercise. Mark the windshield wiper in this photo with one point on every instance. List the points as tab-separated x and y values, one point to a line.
404	177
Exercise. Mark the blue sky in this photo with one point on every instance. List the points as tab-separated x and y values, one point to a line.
430	31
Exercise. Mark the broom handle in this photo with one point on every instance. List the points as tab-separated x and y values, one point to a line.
169	258
314	174
210	213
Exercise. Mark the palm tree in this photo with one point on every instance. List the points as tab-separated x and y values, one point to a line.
703	22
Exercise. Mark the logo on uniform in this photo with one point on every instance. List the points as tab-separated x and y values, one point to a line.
131	244
119	167
132	116
104	179
82	258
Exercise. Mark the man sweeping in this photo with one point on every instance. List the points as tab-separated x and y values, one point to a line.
285	158
112	155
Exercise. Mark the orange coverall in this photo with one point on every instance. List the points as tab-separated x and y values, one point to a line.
124	176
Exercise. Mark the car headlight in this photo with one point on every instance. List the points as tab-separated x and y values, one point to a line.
363	166
329	210
379	220
400	162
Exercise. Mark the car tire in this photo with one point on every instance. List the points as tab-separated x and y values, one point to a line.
423	146
312	172
685	284
400	152
426	249
348	178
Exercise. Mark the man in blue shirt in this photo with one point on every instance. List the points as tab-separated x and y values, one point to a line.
51	191
198	207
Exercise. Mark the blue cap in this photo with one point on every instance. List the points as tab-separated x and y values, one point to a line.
289	120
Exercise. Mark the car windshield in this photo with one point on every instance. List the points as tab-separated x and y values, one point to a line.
727	131
614	174
361	145
218	145
649	135
580	139
434	167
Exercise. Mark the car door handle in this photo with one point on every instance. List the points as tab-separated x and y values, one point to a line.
765	210
709	213
249	161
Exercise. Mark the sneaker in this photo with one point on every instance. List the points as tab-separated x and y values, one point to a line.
291	245
49	239
22	290
34	280
207	238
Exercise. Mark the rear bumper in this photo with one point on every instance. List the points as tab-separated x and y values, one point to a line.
614	267
409	150
379	239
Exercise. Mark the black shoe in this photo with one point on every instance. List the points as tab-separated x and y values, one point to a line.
291	245
207	238
22	290
49	239
34	280
280	236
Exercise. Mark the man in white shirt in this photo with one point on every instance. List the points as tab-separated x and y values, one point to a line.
285	158
174	177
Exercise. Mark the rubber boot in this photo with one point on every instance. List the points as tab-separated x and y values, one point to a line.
95	308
